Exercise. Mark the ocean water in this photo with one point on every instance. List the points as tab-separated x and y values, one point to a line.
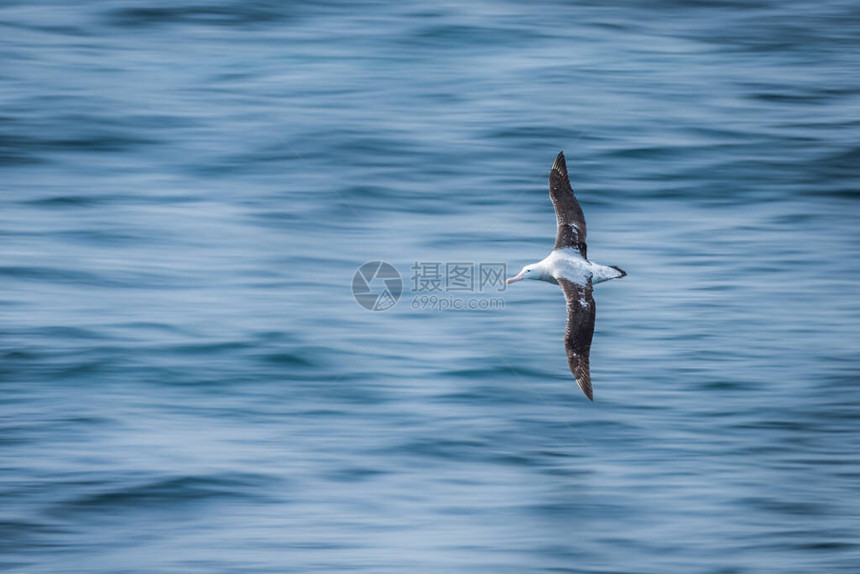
188	384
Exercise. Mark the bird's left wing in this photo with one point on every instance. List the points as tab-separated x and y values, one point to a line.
580	330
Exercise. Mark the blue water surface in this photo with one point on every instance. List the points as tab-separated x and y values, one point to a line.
188	385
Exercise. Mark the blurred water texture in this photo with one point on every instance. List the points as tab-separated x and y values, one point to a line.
188	384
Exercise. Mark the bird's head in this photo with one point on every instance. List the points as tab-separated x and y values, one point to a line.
528	272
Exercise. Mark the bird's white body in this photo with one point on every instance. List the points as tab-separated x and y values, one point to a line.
567	263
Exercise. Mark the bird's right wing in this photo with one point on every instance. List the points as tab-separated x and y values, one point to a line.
580	330
568	214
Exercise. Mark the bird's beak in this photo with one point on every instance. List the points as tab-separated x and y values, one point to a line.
514	279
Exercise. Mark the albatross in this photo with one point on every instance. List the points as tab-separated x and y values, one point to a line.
568	266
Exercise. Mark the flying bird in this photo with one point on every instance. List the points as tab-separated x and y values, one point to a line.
568	266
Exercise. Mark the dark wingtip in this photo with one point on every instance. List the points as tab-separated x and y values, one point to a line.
584	382
559	164
589	393
620	270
